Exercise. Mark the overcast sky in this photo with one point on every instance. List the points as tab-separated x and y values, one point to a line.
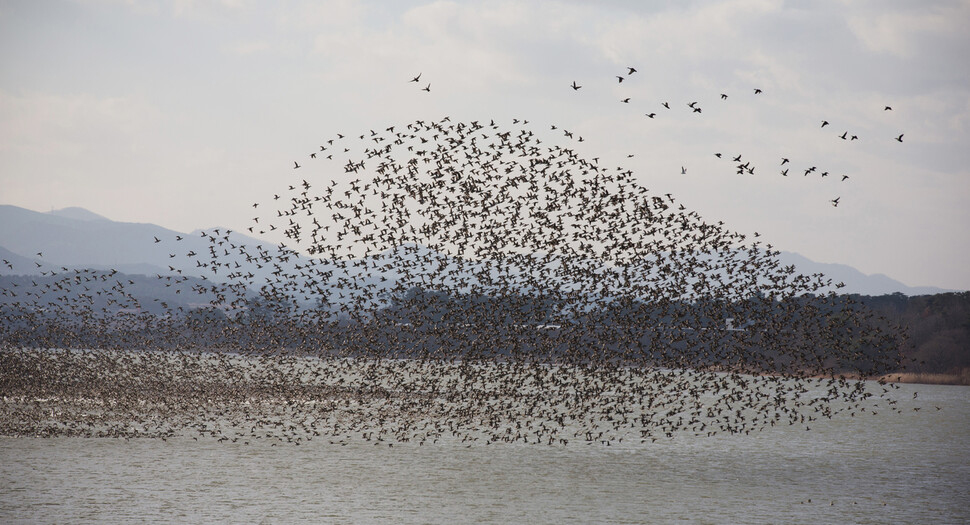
184	113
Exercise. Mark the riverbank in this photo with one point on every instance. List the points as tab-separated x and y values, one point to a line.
960	378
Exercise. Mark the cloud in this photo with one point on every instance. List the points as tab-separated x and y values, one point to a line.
249	47
903	33
69	123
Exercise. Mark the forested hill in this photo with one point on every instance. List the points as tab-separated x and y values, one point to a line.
938	327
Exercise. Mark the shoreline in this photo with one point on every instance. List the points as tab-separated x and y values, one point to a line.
929	378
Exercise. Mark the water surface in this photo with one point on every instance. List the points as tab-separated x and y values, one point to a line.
912	467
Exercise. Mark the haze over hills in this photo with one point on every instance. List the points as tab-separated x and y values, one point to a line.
78	238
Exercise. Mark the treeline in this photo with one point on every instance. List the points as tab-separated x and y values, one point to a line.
938	327
109	309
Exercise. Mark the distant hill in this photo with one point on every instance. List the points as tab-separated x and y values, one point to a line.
855	281
78	238
79	214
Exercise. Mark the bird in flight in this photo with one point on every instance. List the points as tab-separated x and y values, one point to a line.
835	202
900	137
626	100
415	79
825	123
666	105
630	70
651	115
888	108
619	79
295	165
683	170
757	91
575	86
427	88
723	96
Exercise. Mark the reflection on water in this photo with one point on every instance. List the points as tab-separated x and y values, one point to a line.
887	468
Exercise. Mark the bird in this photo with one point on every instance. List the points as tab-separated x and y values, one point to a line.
295	165
757	91
427	88
683	170
887	108
825	123
451	281
626	100
630	70
899	138
723	96
575	86
417	78
651	115
619	79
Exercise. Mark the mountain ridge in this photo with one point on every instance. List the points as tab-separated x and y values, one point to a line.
76	237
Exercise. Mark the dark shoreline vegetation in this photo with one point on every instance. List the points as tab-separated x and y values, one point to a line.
934	346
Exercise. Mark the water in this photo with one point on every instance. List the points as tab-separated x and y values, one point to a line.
912	467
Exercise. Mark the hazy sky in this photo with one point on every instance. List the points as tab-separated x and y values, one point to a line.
184	113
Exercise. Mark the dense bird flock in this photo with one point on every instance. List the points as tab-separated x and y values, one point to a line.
444	280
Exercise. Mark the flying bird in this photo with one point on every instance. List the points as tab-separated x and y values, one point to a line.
575	86
415	79
900	137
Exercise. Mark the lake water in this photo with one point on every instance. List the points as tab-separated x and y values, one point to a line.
912	467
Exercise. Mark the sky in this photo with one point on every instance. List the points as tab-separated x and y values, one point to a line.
184	113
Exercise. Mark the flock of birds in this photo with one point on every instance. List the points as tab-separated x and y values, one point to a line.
441	280
745	166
